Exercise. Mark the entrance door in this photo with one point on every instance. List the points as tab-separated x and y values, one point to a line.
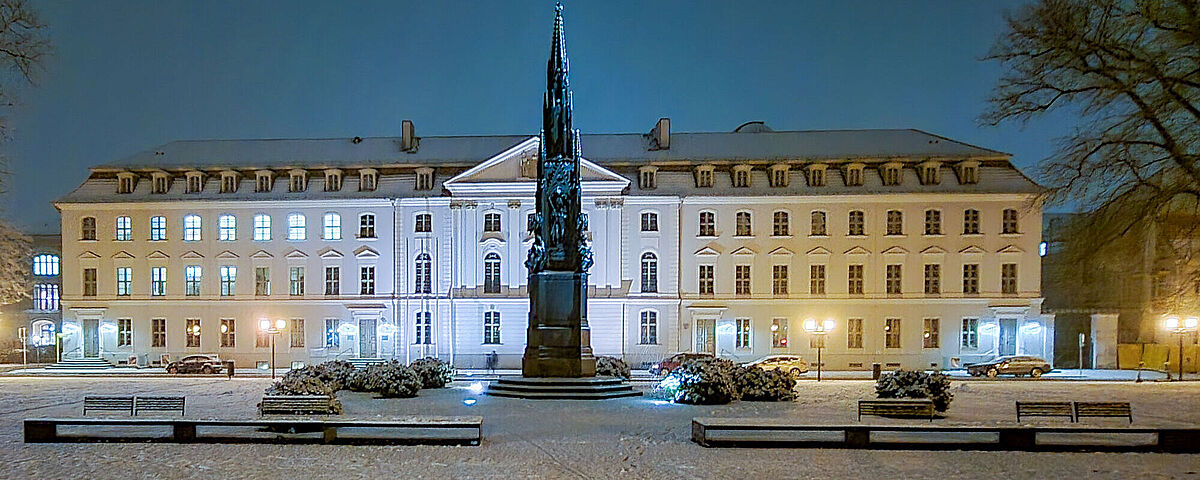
1008	336
366	338
91	338
706	338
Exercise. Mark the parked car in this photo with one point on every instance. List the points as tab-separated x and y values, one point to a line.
1016	365
674	361
196	364
792	364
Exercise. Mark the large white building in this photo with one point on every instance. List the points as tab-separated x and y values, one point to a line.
921	250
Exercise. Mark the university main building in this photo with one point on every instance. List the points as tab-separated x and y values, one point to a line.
923	251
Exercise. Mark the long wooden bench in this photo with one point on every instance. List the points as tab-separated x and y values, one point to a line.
896	407
110	403
1104	409
295	405
1045	409
158	404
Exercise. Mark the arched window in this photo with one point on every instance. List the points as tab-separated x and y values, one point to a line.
87	228
743	224
333	226
43	333
818	225
895	222
191	228
649	328
491	327
424	329
491	273
708	225
857	223
297	226
422	274
649	273
226	228
45	264
491	222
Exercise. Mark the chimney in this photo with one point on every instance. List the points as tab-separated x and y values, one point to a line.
408	138
662	134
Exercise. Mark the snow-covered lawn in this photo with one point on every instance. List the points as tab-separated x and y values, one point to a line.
626	438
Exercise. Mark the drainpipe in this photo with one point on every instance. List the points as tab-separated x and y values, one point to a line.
395	282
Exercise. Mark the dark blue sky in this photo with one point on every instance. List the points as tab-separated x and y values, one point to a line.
127	76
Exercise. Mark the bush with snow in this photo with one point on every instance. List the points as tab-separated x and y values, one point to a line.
612	367
703	381
433	372
754	383
914	384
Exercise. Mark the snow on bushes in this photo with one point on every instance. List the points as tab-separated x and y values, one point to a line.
754	383
433	373
304	385
913	384
714	381
612	367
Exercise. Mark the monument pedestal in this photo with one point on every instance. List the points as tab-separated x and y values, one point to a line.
549	388
558	341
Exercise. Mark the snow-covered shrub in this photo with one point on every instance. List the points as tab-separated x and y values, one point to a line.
397	381
335	373
914	384
305	385
703	381
754	383
434	373
612	367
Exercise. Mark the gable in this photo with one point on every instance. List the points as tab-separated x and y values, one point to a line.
227	254
857	250
706	252
1010	249
895	251
743	251
192	254
261	254
778	252
122	254
157	254
503	173
972	250
296	254
89	254
366	252
329	252
818	251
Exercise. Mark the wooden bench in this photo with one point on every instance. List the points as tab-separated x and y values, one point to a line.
108	403
295	404
158	404
1045	409
1103	409
897	407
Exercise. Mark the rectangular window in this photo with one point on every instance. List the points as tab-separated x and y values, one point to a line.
741	279
45	297
816	279
891	331
158	228
87	228
931	333
933	222
649	328
1008	278
333	280
297	333
1010	221
779	333
89	282
332	338
124	281
933	279
743	224
124	332
262	281
743	333
854	279
970	280
296	281
818	226
228	340
191	280
262	228
780	224
366	226
970	333
706	280
158	333
191	228
857	223
893	279
226	228
424	223
366	277
854	333
491	327
124	229
333	226
970	222
779	279
192	331
228	280
649	222
708	225
262	338
297	227
895	222
158	281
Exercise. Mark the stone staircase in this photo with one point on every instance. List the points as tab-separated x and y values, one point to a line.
80	364
595	388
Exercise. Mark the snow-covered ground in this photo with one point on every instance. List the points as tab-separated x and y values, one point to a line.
626	438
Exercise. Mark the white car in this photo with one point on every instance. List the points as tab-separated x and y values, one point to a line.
793	364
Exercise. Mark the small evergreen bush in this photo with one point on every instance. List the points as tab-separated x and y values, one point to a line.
703	381
914	384
754	383
612	367
397	381
434	373
335	373
304	385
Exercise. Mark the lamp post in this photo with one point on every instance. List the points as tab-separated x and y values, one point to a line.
1180	328
272	329
820	329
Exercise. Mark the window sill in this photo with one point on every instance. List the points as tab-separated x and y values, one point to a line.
156	240
128	240
934	235
856	236
367	239
743	237
651	233
819	236
331	239
784	237
706	236
894	235
1010	235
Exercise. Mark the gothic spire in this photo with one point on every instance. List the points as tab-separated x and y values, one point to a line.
558	135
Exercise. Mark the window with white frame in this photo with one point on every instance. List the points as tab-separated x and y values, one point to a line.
296	281
648	327
649	273
158	333
124	230
895	222
333	226
124	281
854	333
367	179
705	279
491	273
366	280
333	280
491	327
160	183
333	338
424	179
779	279
933	222
491	222
158	281
333	180
854	279
195	182
856	221
892	279
704	176
743	224
741	279
817	224
228	333
87	228
1008	278
297	226
815	175
297	180
226	228
816	279
192	330
192	275
970	222
889	173
741	176
45	265
158	228
366	225
124	332
1009	225
262	227
424	223
263	180
229	182
853	175
970	278
262	281
228	280
779	333
970	334
422	274
296	332
648	178
45	297
930	337
649	222
89	282
742	333
891	333
423	329
191	228
708	225
933	279
779	175
780	225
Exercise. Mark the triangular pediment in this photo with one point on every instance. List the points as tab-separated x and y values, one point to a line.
227	254
706	252
296	254
366	252
933	250
1010	249
895	251
328	252
509	172
191	254
856	250
818	251
743	251
122	254
261	254
972	250
158	254
89	254
780	252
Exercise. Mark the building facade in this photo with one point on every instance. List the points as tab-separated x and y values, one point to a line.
923	251
30	327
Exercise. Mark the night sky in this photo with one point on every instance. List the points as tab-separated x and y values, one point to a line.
128	76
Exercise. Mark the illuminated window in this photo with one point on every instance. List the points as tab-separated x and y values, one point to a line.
297	227
124	280
45	297
191	280
742	337
296	281
158	281
228	280
124	229
158	228
262	227
333	226
779	333
970	333
191	228
124	332
333	338
930	335
891	333
45	265
226	228
192	329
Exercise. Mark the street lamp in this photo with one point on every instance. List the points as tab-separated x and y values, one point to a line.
272	329
1181	328
820	329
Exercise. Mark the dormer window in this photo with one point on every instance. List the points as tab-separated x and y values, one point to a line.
263	179
297	180
125	182
160	182
930	173
889	173
333	180
425	178
195	182
741	176
229	181
968	172
779	175
853	174
648	178
367	179
815	174
704	176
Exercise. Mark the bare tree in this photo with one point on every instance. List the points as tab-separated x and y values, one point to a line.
16	252
23	47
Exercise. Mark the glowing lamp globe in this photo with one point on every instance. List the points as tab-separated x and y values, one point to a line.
1172	323
264	324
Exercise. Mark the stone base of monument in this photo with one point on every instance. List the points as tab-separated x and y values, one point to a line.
555	388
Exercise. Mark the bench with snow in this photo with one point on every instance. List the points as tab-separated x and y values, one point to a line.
158	404
295	405
896	407
1045	409
108	403
1103	409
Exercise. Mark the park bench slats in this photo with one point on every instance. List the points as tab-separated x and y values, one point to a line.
295	404
111	403
1104	409
896	408
133	404
1075	410
1045	409
158	404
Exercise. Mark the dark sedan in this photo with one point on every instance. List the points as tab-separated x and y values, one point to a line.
1015	365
